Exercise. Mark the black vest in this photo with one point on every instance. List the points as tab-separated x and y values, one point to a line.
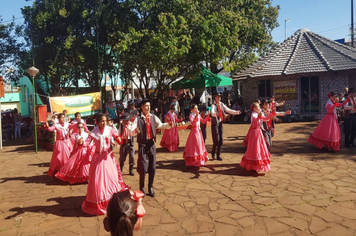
264	123
347	112
141	124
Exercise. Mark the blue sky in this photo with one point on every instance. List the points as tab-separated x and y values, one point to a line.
329	18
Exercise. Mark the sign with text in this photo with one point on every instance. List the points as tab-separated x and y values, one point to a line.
285	90
87	104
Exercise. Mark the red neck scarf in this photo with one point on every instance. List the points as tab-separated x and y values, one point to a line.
220	113
125	133
148	126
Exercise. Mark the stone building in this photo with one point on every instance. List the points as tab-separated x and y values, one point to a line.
301	71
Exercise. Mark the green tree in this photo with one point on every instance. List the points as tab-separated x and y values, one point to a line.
165	40
150	40
11	49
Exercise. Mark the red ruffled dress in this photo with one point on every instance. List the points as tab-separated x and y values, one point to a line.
270	126
62	148
328	131
257	155
195	153
76	170
170	138
105	177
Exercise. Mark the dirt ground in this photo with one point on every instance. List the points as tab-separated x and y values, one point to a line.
307	192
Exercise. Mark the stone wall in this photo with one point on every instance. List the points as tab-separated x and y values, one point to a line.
328	82
250	92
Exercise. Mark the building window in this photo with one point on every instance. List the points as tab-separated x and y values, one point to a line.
309	94
264	88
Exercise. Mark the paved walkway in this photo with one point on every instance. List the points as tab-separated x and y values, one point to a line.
308	192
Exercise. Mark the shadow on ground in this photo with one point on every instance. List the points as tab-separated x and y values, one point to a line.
212	167
38	179
65	207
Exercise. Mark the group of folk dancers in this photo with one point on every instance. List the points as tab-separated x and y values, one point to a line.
327	133
79	156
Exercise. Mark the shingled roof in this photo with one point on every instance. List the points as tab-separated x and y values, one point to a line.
303	52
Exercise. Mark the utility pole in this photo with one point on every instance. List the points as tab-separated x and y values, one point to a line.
352	24
285	28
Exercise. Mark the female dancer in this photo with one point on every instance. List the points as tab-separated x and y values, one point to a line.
62	148
327	133
195	153
256	157
170	139
76	170
105	177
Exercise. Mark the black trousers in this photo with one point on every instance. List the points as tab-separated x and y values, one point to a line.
127	148
217	133
146	162
350	129
268	137
203	131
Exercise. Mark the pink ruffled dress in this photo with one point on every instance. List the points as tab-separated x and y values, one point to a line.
328	131
170	139
105	176
62	148
257	155
76	170
195	153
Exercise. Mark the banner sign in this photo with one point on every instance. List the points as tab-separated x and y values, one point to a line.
87	104
285	90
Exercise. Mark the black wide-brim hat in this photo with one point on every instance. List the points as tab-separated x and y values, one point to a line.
216	94
144	101
265	101
126	116
203	108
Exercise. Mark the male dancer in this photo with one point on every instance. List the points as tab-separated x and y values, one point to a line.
203	121
350	120
127	147
218	110
146	136
266	126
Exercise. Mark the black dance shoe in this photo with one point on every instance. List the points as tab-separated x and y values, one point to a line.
219	158
143	190
151	192
213	157
131	171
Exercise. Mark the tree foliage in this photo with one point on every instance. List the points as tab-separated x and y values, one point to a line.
147	39
11	49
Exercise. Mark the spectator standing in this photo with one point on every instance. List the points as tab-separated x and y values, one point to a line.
66	117
186	107
165	109
17	122
176	105
111	111
107	104
181	105
225	97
